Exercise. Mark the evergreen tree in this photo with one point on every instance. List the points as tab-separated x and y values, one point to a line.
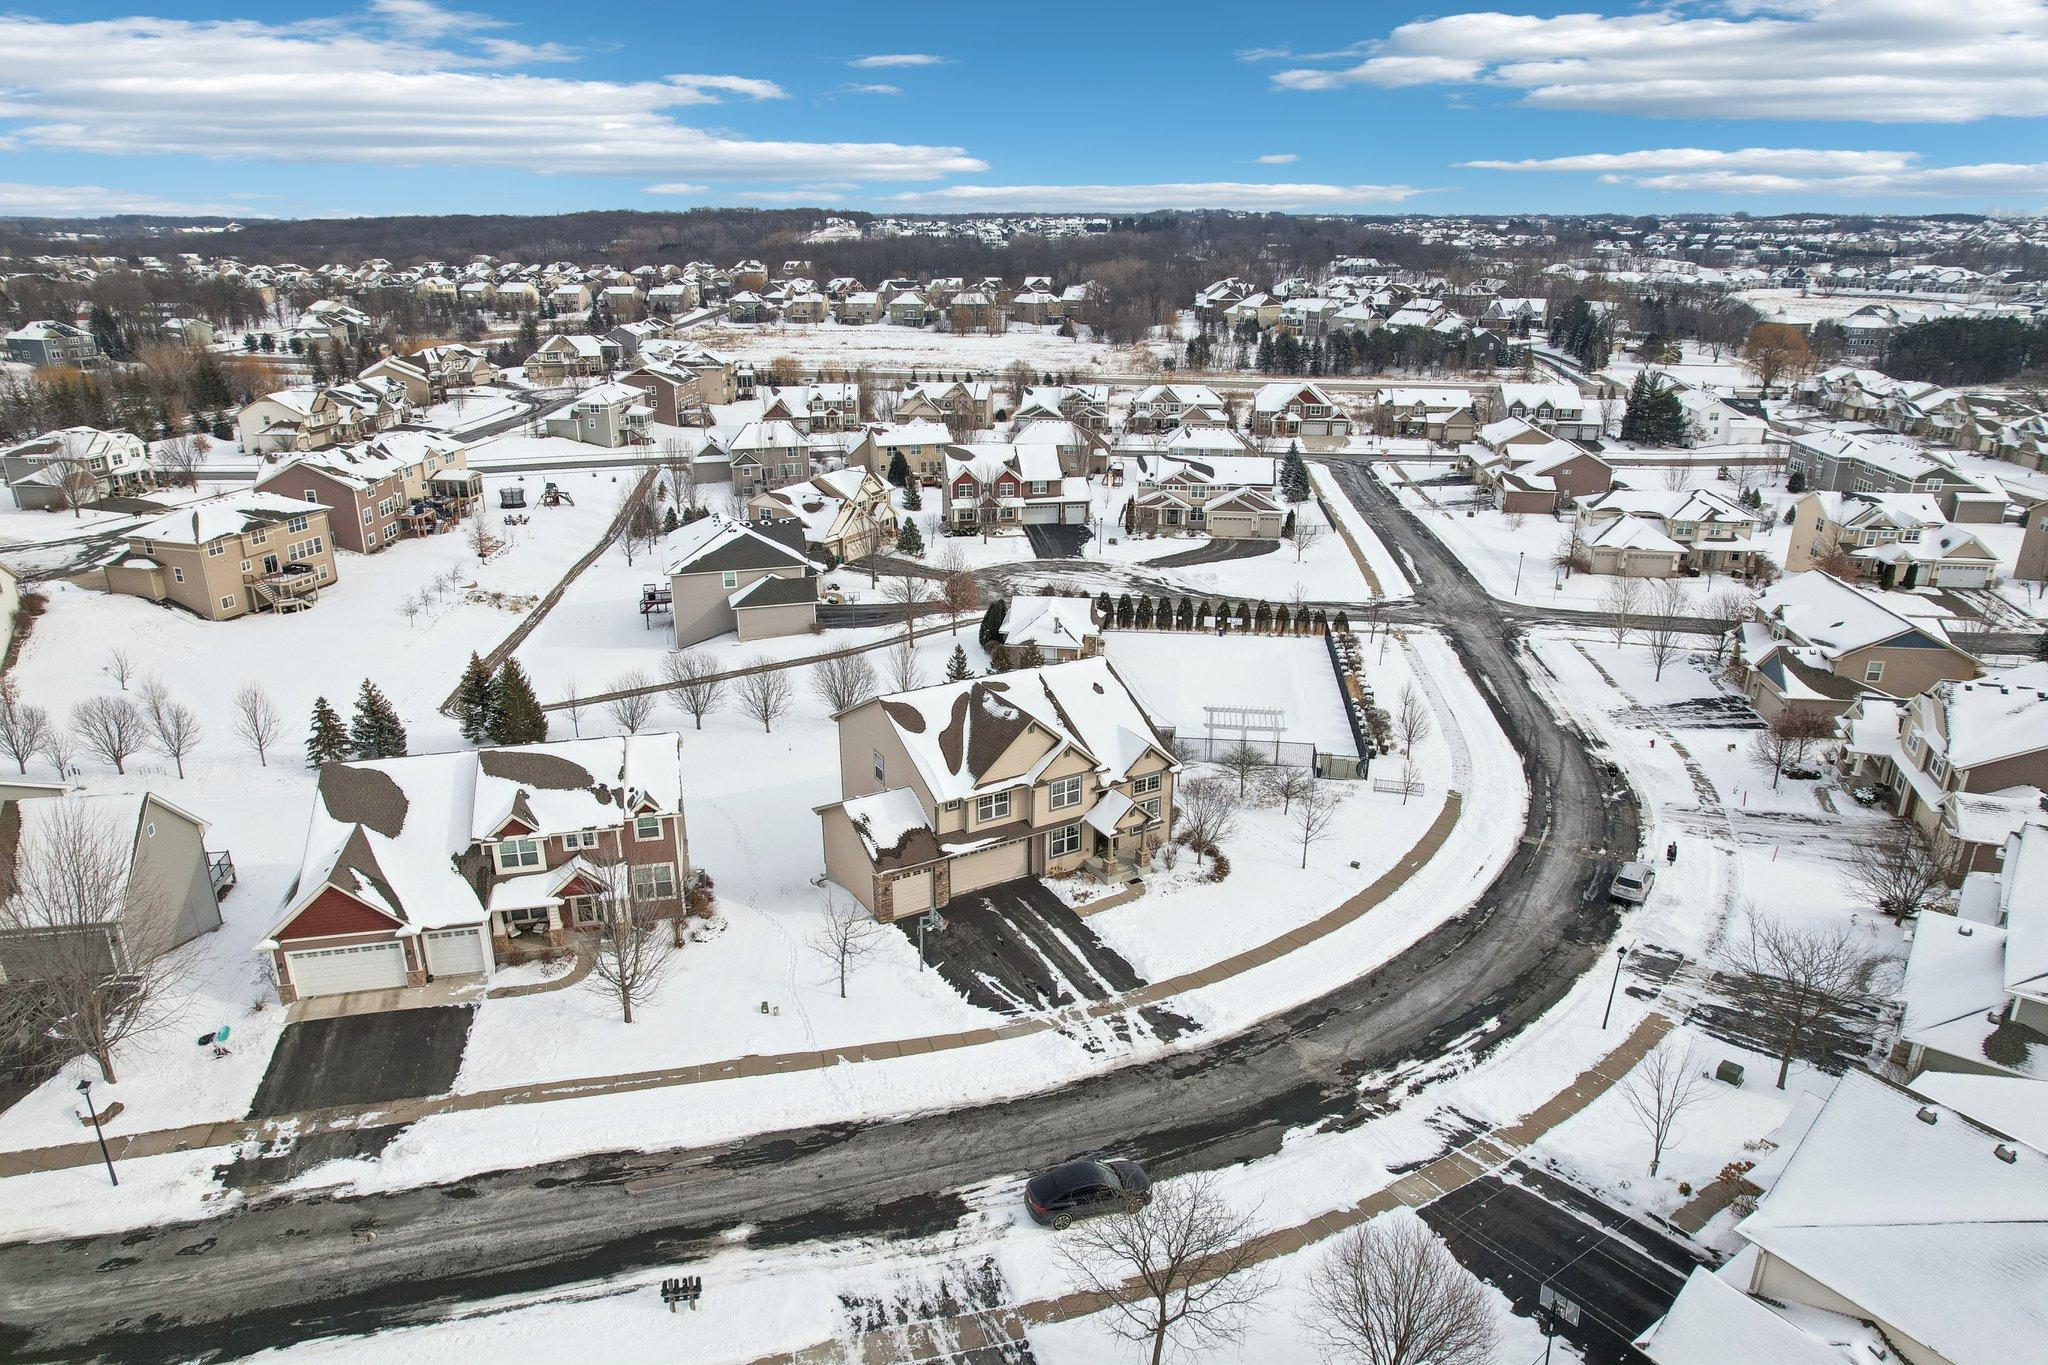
1795	482
1031	656
670	521
913	498
956	666
899	470
1294	475
476	702
375	730
908	541
328	742
516	717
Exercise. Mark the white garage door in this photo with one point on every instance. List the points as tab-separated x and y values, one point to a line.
1002	864
455	952
1075	514
1041	513
1961	576
910	895
332	971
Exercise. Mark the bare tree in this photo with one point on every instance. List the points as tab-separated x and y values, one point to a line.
1800	974
764	693
1408	782
75	481
110	728
1206	810
120	667
24	729
844	682
1668	603
959	594
573	706
173	726
1290	785
693	685
845	935
633	706
257	723
1306	534
629	954
1183	1268
1390	1293
1665	1085
1312	815
1898	871
1623	603
481	537
89	930
180	457
1570	555
1244	763
906	671
1413	720
1786	739
1726	607
59	746
913	594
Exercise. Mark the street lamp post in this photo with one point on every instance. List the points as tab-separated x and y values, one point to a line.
1519	556
85	1090
1620	955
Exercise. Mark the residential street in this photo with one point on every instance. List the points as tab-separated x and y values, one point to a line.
292	1268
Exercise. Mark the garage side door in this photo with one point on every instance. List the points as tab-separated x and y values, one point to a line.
333	971
455	952
910	895
1004	863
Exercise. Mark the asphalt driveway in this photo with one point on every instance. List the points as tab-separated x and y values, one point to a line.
363	1059
1057	541
1215	552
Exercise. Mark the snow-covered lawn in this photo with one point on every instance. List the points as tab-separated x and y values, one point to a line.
1388	570
885	344
1179	676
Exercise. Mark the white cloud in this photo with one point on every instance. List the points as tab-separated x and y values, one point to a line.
866	88
1786	171
335	92
1277	159
675	187
1880	61
425	19
1137	198
899	59
92	201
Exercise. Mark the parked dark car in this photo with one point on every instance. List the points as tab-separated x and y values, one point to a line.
1083	1189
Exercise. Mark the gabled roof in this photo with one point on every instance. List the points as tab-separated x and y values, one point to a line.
1835	618
229	514
713	545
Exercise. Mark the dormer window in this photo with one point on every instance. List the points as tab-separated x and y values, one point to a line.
518	855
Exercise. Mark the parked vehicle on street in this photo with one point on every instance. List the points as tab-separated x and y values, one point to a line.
1084	1189
1632	884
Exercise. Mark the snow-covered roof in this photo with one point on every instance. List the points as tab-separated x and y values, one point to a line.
2000	715
1642	534
1834	617
712	544
1909	1211
1714	1323
1049	622
200	523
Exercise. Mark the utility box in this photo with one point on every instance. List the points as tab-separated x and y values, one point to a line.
1731	1072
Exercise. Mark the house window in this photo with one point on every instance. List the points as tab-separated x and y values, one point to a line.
1066	792
219	547
296	524
730	578
646	827
995	807
1873	671
881	768
227	604
577	839
654	882
1062	841
177	574
515	855
1142	785
310	496
527	917
1151	807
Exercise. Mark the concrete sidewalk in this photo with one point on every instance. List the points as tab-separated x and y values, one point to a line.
232	1132
1480	1156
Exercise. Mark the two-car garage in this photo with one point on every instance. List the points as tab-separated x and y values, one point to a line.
358	967
990	866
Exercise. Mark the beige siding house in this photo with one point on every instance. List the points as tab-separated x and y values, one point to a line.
754	580
1815	643
950	789
228	556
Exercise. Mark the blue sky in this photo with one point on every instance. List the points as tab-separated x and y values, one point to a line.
513	106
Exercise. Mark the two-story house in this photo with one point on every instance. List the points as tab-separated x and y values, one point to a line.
562	358
1714	533
1298	411
50	342
1444	416
399	483
228	556
970	401
949	789
303	418
845	513
444	865
1159	408
765	455
1815	643
611	414
756	580
75	466
1900	539
921	443
1000	486
1559	409
1212	498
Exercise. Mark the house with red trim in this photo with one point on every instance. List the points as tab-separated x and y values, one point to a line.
1000	485
447	865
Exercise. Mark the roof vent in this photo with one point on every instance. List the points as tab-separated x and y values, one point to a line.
1964	931
1928	1114
2006	1152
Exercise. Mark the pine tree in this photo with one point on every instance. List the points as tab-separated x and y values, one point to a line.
328	742
516	717
956	666
913	499
476	702
899	470
908	541
1031	656
375	730
670	522
1294	476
